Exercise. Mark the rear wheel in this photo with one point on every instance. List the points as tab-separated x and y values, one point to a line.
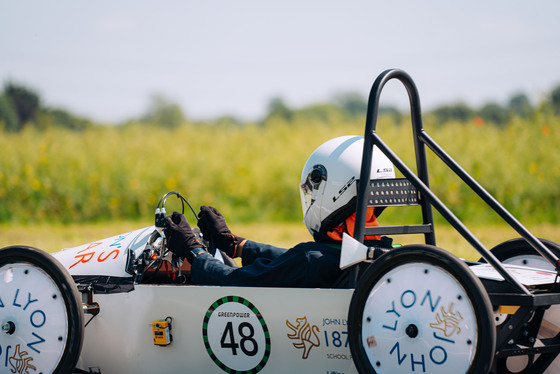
41	315
519	252
419	308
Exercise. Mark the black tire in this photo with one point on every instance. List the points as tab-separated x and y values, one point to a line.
522	251
18	260
518	252
371	306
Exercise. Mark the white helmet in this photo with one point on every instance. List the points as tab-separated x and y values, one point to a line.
328	184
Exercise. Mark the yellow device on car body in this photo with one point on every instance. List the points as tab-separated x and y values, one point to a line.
161	331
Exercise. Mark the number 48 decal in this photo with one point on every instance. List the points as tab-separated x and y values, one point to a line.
236	336
246	331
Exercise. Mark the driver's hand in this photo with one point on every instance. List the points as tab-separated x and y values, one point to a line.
213	226
180	237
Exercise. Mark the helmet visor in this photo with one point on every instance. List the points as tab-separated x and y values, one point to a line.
310	186
306	194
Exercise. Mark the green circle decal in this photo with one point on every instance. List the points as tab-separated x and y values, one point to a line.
236	336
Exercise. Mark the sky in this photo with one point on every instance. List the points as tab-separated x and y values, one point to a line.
105	59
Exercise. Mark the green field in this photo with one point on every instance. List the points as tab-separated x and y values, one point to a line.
251	172
59	186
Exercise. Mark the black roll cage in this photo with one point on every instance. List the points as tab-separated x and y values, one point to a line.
427	199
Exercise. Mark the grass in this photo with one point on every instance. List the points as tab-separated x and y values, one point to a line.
251	172
53	237
109	179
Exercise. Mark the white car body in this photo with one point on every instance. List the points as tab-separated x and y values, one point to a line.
232	329
291	330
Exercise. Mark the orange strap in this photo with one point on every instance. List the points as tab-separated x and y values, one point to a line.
348	226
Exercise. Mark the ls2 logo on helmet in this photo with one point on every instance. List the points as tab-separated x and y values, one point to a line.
344	188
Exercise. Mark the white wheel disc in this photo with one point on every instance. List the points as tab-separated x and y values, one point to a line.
532	261
419	318
41	318
519	252
420	309
34	319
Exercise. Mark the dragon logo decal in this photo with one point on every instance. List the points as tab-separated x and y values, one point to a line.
304	335
20	363
448	321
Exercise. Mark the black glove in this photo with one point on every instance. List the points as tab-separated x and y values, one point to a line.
213	226
180	237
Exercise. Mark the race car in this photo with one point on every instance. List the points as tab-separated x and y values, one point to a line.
126	304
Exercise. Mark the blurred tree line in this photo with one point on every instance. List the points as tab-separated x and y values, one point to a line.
354	106
21	106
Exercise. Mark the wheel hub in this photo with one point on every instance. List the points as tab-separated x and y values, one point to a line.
9	327
411	330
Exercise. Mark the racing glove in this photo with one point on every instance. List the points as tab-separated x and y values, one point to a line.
213	227
180	237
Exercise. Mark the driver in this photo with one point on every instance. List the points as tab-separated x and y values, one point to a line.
328	191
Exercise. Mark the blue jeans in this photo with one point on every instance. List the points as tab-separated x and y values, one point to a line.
308	264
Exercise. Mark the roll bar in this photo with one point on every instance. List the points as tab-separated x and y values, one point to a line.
427	199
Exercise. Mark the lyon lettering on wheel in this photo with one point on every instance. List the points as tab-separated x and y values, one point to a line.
236	335
40	315
421	311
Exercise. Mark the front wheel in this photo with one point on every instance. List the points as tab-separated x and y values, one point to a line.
420	309
41	314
